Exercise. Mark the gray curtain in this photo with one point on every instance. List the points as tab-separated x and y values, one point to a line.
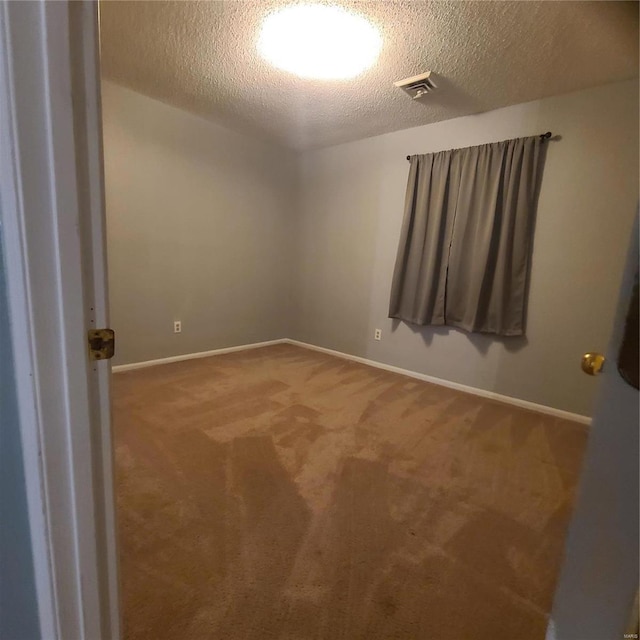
464	252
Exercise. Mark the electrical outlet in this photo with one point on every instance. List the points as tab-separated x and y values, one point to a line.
378	334
177	326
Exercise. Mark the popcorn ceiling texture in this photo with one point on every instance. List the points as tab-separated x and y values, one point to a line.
201	56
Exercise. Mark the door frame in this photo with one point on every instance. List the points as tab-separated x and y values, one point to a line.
52	216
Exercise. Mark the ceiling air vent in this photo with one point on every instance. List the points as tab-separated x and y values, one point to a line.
417	86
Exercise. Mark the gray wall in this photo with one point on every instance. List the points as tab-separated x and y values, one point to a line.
18	606
349	220
244	241
199	230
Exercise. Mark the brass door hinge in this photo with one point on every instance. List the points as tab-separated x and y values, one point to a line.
102	344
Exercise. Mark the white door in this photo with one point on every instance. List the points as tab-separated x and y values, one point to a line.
52	215
599	579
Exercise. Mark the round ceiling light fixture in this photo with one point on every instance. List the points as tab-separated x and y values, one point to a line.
319	41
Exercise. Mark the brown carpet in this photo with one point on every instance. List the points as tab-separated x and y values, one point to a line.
282	493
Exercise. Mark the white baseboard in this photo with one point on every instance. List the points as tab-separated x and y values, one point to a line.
191	356
525	404
551	631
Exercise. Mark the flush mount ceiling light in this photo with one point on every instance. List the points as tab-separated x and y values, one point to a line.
319	41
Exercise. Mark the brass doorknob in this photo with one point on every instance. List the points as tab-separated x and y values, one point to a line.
592	363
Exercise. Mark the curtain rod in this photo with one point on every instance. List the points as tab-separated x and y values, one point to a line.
543	137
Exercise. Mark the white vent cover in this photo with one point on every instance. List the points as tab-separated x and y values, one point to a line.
417	86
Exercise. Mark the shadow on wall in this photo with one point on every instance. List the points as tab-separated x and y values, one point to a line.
480	341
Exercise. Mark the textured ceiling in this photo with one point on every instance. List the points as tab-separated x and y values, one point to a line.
201	56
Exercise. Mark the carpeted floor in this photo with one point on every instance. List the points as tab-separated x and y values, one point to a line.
285	494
